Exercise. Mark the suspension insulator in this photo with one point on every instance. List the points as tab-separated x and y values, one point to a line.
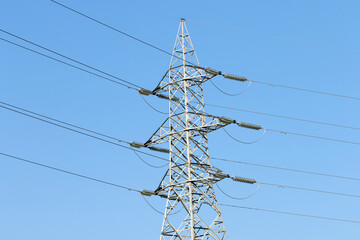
159	149
167	97
234	77
226	120
249	125
221	175
136	145
145	92
244	180
147	193
212	71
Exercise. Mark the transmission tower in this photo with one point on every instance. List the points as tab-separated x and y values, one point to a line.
192	211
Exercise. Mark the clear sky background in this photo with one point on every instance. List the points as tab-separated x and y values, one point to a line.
308	44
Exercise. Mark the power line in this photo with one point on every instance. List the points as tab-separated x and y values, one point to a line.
164	159
104	135
289	213
309	189
252	181
83	133
170	54
307	90
69	124
299	188
136	190
71	173
215	72
258	127
80	175
285	169
239	198
286	117
278	37
137	88
230	94
251	142
153	166
314	173
117	30
68	64
69	58
313	136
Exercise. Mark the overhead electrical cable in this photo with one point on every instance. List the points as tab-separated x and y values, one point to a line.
258	127
313	136
68	172
71	65
139	87
82	176
253	181
89	135
153	108
164	159
239	198
69	58
170	54
306	90
215	72
286	117
153	208
230	94
69	124
136	190
83	133
309	189
289	213
117	30
153	166
285	169
251	142
317	44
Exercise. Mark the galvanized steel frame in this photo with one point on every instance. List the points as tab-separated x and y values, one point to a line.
188	183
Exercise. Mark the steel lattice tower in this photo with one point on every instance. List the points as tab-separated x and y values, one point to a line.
192	211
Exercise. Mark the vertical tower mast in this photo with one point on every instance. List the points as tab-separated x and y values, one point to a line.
192	211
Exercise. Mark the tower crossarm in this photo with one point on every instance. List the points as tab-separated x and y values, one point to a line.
197	73
179	129
214	175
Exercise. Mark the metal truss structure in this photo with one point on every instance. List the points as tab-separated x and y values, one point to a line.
188	183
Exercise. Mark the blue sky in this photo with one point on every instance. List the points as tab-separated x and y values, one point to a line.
308	44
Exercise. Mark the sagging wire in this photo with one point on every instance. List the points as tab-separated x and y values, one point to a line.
236	198
231	94
153	166
153	107
70	173
73	66
263	134
159	212
314	136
